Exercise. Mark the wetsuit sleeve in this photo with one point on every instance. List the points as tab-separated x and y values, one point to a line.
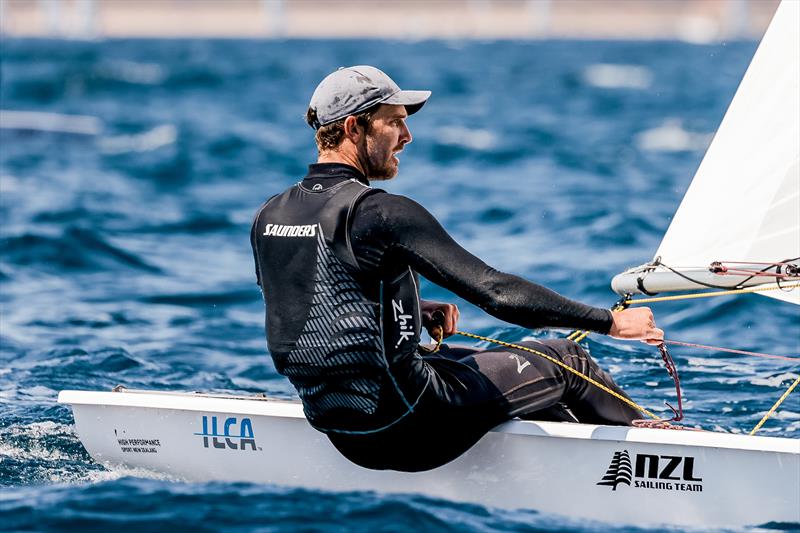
254	238
253	230
390	230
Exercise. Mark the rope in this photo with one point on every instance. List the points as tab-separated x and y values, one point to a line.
791	270
565	367
774	407
673	373
707	294
718	349
578	335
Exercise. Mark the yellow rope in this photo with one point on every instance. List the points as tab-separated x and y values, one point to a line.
565	367
579	338
780	401
707	294
578	335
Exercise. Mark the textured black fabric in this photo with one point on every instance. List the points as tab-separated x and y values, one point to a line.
352	358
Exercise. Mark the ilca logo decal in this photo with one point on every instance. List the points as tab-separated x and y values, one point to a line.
657	472
236	435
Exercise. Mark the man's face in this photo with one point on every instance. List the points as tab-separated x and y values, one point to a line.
386	137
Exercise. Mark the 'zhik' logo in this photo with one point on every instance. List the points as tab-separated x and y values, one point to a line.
228	438
403	320
660	472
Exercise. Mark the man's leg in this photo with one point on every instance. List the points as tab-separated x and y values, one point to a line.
529	383
450	351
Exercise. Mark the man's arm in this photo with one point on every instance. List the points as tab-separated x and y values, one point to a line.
253	246
254	237
400	230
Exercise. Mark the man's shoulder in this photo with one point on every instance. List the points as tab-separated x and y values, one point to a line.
379	198
266	202
389	210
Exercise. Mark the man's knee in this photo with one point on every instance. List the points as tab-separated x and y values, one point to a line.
547	345
564	347
563	351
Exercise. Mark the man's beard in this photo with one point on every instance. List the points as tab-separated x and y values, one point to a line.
379	164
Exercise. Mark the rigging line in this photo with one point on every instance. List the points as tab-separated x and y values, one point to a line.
578	335
791	269
785	262
673	373
704	284
579	338
692	295
658	262
774	407
565	367
754	273
743	352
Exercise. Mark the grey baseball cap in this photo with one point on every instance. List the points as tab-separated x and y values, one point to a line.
351	90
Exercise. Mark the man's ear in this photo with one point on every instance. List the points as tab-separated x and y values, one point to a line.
352	130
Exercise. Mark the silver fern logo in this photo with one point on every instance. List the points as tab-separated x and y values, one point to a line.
619	471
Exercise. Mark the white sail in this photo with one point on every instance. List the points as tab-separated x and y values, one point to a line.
744	201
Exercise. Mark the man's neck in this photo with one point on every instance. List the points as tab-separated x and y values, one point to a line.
341	157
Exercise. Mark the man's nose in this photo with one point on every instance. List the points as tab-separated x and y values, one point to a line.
405	134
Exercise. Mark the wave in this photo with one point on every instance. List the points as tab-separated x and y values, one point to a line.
194	224
204	299
133	72
76	249
153	139
75	214
41	452
610	76
671	136
111	504
470	138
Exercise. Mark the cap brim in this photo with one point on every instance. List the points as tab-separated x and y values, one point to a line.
412	100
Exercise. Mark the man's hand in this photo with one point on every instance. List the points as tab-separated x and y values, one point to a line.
638	324
448	320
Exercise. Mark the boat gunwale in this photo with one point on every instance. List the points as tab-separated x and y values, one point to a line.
265	406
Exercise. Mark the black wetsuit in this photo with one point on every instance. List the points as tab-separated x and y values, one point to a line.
337	262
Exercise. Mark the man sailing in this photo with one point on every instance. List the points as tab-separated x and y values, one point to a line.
337	262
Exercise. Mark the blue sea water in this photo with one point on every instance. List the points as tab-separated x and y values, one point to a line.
125	256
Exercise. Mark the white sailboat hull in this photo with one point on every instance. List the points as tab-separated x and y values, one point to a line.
662	476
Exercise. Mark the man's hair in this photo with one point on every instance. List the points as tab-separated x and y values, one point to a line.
330	135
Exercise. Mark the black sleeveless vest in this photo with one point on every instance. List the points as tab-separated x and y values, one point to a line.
347	342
